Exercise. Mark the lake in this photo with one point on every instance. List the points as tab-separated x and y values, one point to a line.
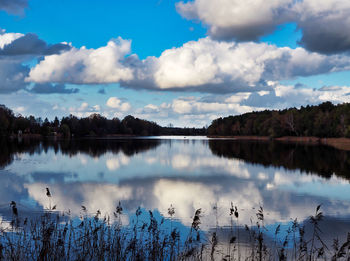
187	173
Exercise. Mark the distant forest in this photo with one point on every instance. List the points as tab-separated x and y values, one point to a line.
324	120
94	125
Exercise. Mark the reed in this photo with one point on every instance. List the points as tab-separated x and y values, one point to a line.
57	235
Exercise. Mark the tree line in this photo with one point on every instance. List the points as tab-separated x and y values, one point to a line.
323	120
94	125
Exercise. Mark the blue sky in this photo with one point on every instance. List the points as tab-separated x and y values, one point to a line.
153	25
185	63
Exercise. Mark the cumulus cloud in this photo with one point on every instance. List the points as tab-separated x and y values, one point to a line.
49	88
221	66
13	6
324	24
205	65
115	103
86	66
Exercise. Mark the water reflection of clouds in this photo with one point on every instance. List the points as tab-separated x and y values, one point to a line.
333	188
185	174
187	195
11	187
72	196
114	162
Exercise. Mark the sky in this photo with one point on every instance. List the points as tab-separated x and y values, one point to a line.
169	61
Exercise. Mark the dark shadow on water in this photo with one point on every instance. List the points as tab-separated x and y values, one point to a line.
322	160
92	147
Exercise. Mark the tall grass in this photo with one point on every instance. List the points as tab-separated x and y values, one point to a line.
58	236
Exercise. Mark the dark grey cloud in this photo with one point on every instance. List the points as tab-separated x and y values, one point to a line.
49	88
326	36
299	85
13	6
325	27
30	44
238	20
12	76
241	34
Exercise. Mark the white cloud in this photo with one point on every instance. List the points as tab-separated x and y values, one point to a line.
7	38
220	67
85	66
196	106
115	103
151	107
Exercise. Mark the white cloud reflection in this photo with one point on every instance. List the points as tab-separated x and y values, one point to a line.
185	174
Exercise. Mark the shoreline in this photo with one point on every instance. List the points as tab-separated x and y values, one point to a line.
338	143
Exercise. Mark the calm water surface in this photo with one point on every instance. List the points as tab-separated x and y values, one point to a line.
288	180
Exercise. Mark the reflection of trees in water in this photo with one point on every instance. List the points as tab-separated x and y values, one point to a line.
10	147
98	147
322	160
92	147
